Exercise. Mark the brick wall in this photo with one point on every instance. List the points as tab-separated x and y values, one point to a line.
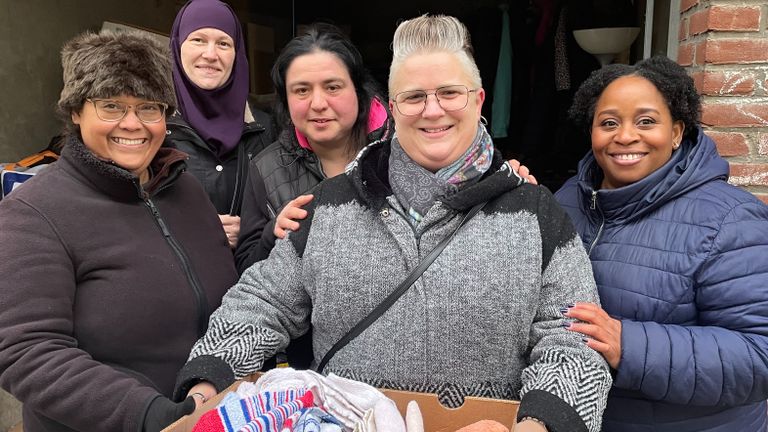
724	46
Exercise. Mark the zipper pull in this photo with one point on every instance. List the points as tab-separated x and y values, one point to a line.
593	205
158	218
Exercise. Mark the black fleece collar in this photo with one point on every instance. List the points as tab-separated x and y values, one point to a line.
118	182
369	174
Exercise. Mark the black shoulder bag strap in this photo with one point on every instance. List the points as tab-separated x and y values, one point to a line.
402	288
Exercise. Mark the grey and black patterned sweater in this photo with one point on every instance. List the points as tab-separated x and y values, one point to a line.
483	320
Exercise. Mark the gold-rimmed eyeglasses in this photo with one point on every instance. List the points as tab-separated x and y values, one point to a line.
450	98
111	110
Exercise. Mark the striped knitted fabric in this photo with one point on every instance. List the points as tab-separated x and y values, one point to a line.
312	420
263	412
272	421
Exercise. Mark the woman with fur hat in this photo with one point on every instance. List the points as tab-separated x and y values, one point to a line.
114	257
214	124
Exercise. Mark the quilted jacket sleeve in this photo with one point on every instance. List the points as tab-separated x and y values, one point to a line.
567	383
722	361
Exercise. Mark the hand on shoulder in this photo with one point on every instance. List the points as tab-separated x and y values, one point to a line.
292	212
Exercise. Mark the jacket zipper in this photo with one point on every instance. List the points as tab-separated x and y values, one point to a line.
200	301
238	195
234	196
316	166
593	206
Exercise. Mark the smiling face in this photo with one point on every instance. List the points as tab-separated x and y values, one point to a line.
321	98
127	143
435	138
633	132
207	56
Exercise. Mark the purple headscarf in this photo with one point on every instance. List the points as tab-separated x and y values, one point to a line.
216	115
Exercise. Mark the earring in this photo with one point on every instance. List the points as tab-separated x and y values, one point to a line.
675	146
484	121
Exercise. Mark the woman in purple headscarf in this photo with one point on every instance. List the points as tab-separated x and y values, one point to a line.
214	124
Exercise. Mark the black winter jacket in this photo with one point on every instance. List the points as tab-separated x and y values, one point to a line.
280	173
283	171
223	178
106	286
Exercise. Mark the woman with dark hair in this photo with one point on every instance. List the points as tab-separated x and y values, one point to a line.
329	109
679	257
214	124
114	258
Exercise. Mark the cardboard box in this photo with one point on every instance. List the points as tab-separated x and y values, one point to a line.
437	418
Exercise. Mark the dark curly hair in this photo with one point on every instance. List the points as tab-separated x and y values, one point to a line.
329	38
668	77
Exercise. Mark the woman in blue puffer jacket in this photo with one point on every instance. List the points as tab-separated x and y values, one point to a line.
680	258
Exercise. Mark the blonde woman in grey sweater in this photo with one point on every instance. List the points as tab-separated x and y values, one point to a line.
483	320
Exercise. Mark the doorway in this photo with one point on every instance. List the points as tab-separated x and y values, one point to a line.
547	65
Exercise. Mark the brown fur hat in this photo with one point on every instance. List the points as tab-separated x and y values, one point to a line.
109	64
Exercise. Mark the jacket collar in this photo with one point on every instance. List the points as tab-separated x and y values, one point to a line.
178	128
693	164
118	182
379	123
369	174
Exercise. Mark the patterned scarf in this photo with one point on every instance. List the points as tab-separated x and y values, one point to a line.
417	189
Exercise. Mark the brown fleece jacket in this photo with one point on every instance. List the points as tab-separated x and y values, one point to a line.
105	287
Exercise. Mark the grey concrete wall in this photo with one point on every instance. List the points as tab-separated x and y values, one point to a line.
31	35
10	411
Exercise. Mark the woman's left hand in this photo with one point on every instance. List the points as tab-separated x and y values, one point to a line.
523	171
231	225
604	331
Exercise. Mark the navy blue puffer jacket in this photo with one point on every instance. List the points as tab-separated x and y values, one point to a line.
681	257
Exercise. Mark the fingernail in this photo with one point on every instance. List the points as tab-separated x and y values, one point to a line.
563	310
585	340
570	305
566	324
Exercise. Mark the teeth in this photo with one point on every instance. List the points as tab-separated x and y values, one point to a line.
436	130
630	156
125	141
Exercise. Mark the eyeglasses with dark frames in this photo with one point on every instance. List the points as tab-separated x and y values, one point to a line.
450	98
112	111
